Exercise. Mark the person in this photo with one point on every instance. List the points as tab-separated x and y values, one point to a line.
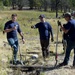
69	29
11	28
45	30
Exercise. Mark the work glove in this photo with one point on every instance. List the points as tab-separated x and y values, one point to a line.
59	23
32	26
52	39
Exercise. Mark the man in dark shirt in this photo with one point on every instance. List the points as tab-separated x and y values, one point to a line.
69	29
11	28
45	30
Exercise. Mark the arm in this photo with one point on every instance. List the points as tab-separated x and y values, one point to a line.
9	30
65	28
8	27
35	26
21	34
23	40
51	31
52	38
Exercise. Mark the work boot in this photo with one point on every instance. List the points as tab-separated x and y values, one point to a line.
74	64
47	54
62	64
14	62
44	54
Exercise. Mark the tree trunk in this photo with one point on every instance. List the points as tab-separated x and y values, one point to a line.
61	8
45	5
56	9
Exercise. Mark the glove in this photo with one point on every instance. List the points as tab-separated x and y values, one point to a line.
23	41
52	39
59	23
32	26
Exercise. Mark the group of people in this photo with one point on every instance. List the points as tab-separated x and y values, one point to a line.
46	34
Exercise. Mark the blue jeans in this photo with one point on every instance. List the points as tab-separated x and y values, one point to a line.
70	46
14	44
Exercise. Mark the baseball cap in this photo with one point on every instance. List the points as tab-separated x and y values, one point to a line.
67	14
42	16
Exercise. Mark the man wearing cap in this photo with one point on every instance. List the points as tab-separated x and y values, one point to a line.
11	28
69	29
45	30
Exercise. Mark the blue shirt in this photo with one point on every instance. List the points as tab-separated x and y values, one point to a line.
44	30
71	27
9	25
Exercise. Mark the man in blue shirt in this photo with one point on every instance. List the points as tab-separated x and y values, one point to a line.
11	28
45	30
69	29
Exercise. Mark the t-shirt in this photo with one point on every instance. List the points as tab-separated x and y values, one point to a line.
12	34
44	30
71	27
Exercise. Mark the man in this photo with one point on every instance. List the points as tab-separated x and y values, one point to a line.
45	30
69	29
11	28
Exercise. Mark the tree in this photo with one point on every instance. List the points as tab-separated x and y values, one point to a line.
72	3
37	4
57	4
22	3
31	4
66	5
45	4
6	2
54	5
14	4
1	4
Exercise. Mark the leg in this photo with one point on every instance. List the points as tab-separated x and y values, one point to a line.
42	42
74	58
13	44
15	49
70	46
47	47
64	45
68	50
